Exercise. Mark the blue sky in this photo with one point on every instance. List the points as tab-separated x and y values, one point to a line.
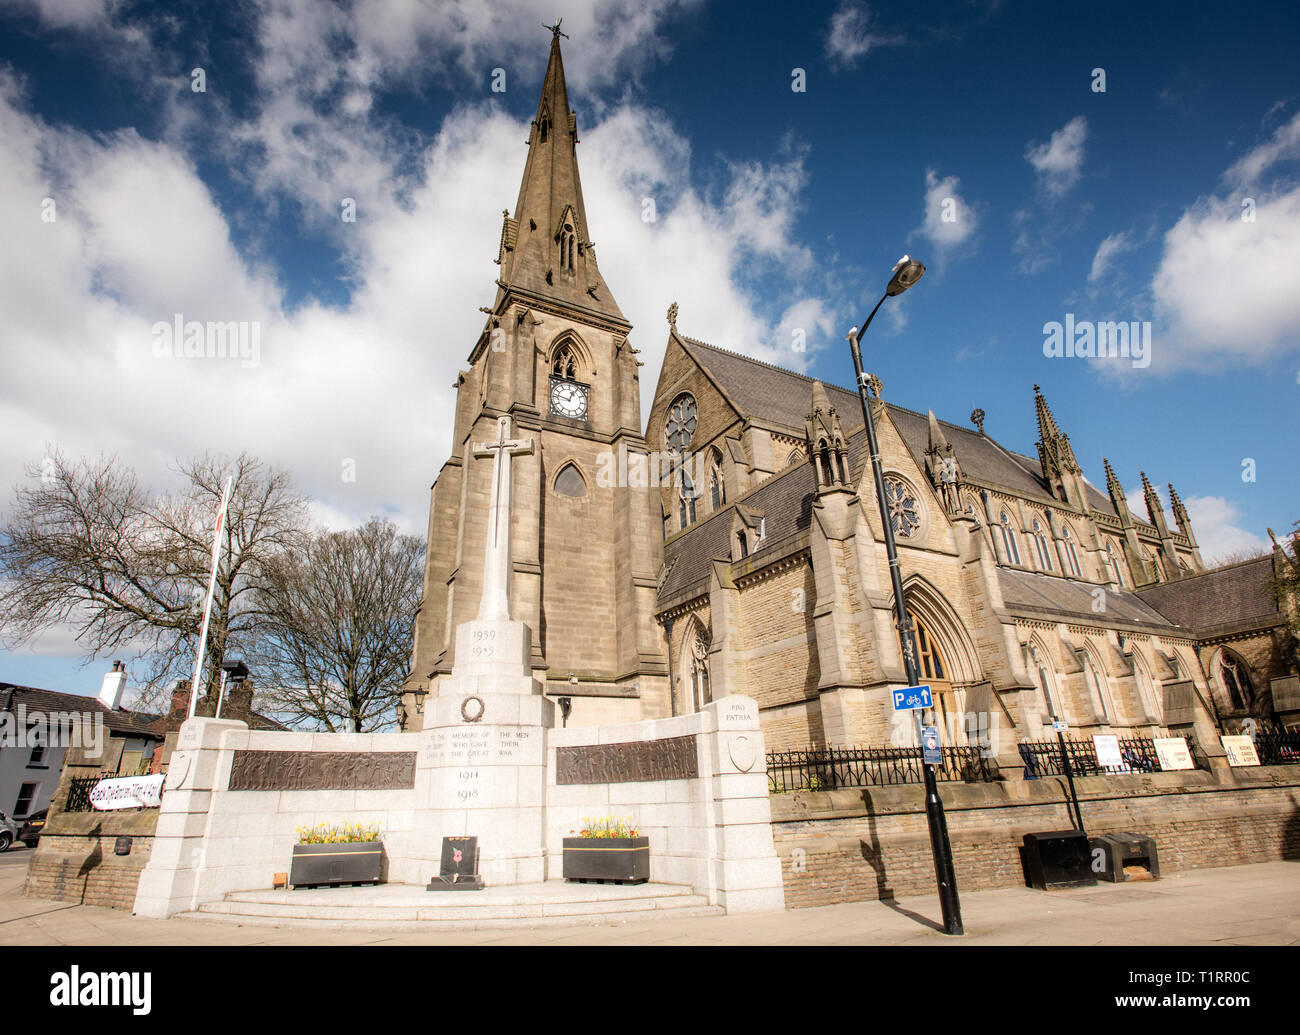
776	210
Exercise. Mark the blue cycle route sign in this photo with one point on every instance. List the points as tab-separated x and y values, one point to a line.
912	697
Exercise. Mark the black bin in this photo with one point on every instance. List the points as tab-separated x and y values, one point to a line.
1116	851
1058	859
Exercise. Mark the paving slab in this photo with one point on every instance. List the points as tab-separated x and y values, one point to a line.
1243	905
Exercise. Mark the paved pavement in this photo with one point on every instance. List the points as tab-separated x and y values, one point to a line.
1240	905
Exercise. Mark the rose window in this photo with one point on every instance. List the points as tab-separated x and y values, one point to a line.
904	515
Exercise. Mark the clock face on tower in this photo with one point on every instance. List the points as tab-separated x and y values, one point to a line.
568	398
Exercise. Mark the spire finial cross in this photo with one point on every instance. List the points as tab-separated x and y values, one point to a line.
555	29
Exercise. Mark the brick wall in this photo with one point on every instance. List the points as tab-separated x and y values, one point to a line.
75	860
872	843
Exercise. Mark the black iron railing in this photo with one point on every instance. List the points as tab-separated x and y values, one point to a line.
826	769
1043	757
1278	748
79	789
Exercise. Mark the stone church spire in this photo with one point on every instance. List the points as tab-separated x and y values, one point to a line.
1155	509
1184	522
546	252
1117	498
826	446
1056	456
942	467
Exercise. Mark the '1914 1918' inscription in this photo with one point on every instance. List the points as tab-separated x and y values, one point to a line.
670	759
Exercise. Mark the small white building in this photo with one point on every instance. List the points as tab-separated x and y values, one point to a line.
38	726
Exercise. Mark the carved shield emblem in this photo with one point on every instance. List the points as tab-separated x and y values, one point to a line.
177	769
743	749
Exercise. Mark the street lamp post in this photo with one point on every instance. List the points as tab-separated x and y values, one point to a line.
906	273
238	672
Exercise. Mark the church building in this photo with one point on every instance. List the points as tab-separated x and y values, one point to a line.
734	545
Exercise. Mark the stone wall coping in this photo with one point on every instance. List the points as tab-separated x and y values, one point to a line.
116	823
801	806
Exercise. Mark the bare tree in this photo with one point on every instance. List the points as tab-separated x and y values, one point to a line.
1286	589
337	616
87	545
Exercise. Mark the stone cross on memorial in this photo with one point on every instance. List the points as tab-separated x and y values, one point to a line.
495	603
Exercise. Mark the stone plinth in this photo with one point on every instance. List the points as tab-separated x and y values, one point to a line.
485	751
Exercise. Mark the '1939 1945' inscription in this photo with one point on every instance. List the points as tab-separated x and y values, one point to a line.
670	759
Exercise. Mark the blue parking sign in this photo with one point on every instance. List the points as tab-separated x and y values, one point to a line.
912	697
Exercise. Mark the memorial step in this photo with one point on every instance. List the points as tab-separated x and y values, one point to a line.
552	903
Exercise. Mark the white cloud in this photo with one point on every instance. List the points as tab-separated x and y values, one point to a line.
1114	245
852	35
949	220
66	14
1137	504
1040	226
1214	520
1249	170
139	237
1228	283
1059	162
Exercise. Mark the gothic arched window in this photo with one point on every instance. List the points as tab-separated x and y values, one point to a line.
1153	563
1071	555
1236	681
929	661
569	482
1094	680
717	487
1116	565
794	458
701	692
1009	547
1040	671
686	500
1040	547
679	427
567	246
564	362
1145	687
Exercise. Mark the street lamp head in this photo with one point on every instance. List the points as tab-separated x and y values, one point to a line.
907	271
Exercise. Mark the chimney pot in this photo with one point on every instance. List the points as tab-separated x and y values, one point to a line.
110	691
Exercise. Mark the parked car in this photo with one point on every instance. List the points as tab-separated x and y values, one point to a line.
30	832
8	832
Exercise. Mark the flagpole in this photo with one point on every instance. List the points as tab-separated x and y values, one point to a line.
212	588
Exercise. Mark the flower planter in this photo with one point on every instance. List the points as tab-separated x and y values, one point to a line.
613	860
350	862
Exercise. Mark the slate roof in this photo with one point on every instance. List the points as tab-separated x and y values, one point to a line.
1053	594
118	720
785	500
782	397
1222	596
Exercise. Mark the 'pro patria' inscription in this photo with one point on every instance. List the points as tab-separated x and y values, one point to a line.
670	759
